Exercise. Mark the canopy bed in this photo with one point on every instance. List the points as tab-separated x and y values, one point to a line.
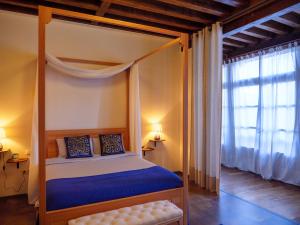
62	209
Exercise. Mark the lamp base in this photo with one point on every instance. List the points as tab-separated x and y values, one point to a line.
157	137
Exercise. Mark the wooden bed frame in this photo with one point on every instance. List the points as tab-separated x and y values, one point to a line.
48	147
61	217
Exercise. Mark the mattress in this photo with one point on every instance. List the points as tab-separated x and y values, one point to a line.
79	182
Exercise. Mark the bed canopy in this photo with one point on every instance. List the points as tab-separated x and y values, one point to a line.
134	96
45	16
73	71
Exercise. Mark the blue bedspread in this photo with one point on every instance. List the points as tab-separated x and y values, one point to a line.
69	192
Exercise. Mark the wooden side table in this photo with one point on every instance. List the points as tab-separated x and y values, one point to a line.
17	161
156	141
146	150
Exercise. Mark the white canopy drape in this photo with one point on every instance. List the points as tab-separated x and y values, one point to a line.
33	179
73	71
69	70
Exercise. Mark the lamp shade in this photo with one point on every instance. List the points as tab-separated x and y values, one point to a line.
157	130
2	133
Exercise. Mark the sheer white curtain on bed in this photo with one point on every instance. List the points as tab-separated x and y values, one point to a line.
261	114
73	71
134	110
206	108
68	70
33	187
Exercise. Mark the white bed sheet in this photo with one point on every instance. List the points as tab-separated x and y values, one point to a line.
68	168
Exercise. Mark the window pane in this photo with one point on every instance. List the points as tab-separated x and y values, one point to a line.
245	117
278	63
246	69
285	118
283	142
286	93
246	96
245	137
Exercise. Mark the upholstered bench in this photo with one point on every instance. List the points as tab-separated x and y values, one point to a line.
152	213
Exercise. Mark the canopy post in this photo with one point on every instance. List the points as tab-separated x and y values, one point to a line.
45	16
184	41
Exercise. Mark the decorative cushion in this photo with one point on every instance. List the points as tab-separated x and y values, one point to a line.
62	150
78	147
152	213
111	144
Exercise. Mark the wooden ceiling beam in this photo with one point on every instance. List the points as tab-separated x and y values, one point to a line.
196	6
244	38
233	3
259	33
105	4
20	3
258	14
171	24
146	6
291	19
228	48
234	43
275	27
113	22
139	5
78	4
154	19
267	43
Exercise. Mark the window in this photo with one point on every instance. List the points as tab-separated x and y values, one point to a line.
259	102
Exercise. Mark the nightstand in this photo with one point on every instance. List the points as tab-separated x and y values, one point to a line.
17	161
156	141
146	150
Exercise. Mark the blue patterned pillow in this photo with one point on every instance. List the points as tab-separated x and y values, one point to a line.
111	144
78	147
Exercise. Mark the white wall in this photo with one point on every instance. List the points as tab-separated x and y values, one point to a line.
86	104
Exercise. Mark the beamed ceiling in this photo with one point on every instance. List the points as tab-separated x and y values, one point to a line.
247	24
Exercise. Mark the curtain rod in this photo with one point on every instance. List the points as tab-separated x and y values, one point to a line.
283	45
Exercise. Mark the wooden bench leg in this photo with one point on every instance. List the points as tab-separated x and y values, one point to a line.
180	222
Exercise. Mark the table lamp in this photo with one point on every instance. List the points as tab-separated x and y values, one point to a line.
2	136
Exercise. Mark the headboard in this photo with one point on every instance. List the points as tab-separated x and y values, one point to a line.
52	135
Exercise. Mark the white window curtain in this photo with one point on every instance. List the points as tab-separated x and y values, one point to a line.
261	114
206	108
68	70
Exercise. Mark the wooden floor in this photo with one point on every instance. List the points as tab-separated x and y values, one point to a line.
280	198
208	209
15	211
245	199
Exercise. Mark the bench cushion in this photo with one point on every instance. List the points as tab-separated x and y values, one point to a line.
152	213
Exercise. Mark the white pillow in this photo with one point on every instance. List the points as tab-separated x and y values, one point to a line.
96	145
62	149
